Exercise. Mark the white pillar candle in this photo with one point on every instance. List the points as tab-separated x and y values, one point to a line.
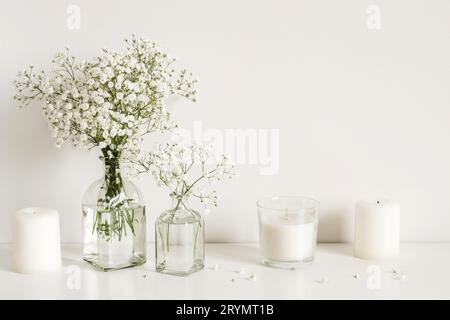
377	229
290	237
36	241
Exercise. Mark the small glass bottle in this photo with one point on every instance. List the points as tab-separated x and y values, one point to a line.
179	235
114	224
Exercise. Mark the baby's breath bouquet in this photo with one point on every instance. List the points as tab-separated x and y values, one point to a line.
109	102
188	171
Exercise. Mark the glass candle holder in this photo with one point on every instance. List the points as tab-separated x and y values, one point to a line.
287	231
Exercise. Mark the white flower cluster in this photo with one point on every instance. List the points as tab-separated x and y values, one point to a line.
111	101
186	170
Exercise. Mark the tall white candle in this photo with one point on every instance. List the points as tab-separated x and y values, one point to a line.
36	241
377	229
289	237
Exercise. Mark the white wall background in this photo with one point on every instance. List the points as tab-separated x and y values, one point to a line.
360	112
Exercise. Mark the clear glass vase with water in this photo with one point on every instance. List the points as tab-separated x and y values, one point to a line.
179	233
114	222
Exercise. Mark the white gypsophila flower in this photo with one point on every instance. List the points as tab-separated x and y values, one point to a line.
186	170
108	100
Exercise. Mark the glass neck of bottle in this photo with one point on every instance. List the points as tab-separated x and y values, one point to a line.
113	181
111	165
111	160
180	202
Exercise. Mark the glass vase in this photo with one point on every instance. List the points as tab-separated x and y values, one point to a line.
179	235
114	222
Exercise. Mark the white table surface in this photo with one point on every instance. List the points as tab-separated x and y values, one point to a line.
426	267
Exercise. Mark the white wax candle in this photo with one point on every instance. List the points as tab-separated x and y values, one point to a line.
289	237
377	230
36	241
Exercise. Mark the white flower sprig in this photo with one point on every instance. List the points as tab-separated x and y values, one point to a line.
187	170
110	101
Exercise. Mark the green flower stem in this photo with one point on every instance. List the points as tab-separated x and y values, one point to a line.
114	205
113	176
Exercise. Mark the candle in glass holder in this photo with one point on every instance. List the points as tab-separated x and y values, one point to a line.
288	228
36	241
377	229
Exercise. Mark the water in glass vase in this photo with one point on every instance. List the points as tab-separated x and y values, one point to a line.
179	242
114	239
